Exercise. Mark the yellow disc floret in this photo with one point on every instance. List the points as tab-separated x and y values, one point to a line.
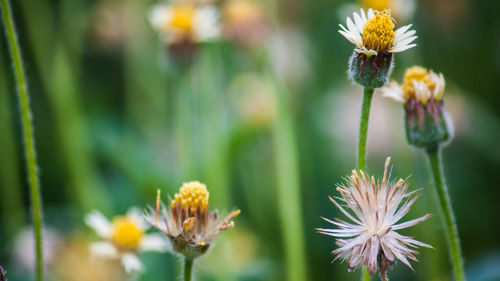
126	234
417	74
378	33
183	17
192	196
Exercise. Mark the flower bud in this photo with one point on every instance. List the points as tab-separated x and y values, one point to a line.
427	123
371	71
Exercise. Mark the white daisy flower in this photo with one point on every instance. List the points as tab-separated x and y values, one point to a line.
375	208
178	22
124	237
373	32
418	83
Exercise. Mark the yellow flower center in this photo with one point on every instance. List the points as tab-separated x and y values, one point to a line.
417	74
378	33
183	17
378	5
126	234
192	196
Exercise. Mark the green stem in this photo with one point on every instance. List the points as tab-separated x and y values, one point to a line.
362	138
288	182
29	139
436	163
363	128
365	275
188	269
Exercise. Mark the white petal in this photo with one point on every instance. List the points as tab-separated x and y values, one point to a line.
403	36
405	42
363	16
153	243
402	48
103	249
131	263
159	16
136	215
393	91
206	23
99	223
359	23
400	31
371	14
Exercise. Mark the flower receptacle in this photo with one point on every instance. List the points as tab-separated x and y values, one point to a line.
371	71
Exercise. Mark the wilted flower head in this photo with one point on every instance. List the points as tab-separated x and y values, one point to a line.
124	236
375	208
245	22
188	222
376	40
184	21
427	122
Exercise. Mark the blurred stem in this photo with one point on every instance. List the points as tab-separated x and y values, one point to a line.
436	162
363	130
286	161
29	139
11	205
188	269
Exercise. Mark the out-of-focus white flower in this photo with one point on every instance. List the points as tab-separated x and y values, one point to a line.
24	248
374	208
124	238
181	21
373	32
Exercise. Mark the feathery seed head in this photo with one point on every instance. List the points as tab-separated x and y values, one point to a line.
374	209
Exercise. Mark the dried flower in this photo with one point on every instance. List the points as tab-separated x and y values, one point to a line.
374	209
188	223
427	122
376	41
125	236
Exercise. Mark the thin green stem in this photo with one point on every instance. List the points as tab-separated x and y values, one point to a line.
365	274
188	269
363	127
436	163
29	139
362	139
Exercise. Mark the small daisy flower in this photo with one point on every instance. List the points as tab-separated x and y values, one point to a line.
374	208
124	238
374	32
426	120
181	22
188	223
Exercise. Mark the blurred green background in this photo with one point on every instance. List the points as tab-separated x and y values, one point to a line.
116	118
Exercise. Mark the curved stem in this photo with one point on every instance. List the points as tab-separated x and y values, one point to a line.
446	209
363	128
188	269
29	139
